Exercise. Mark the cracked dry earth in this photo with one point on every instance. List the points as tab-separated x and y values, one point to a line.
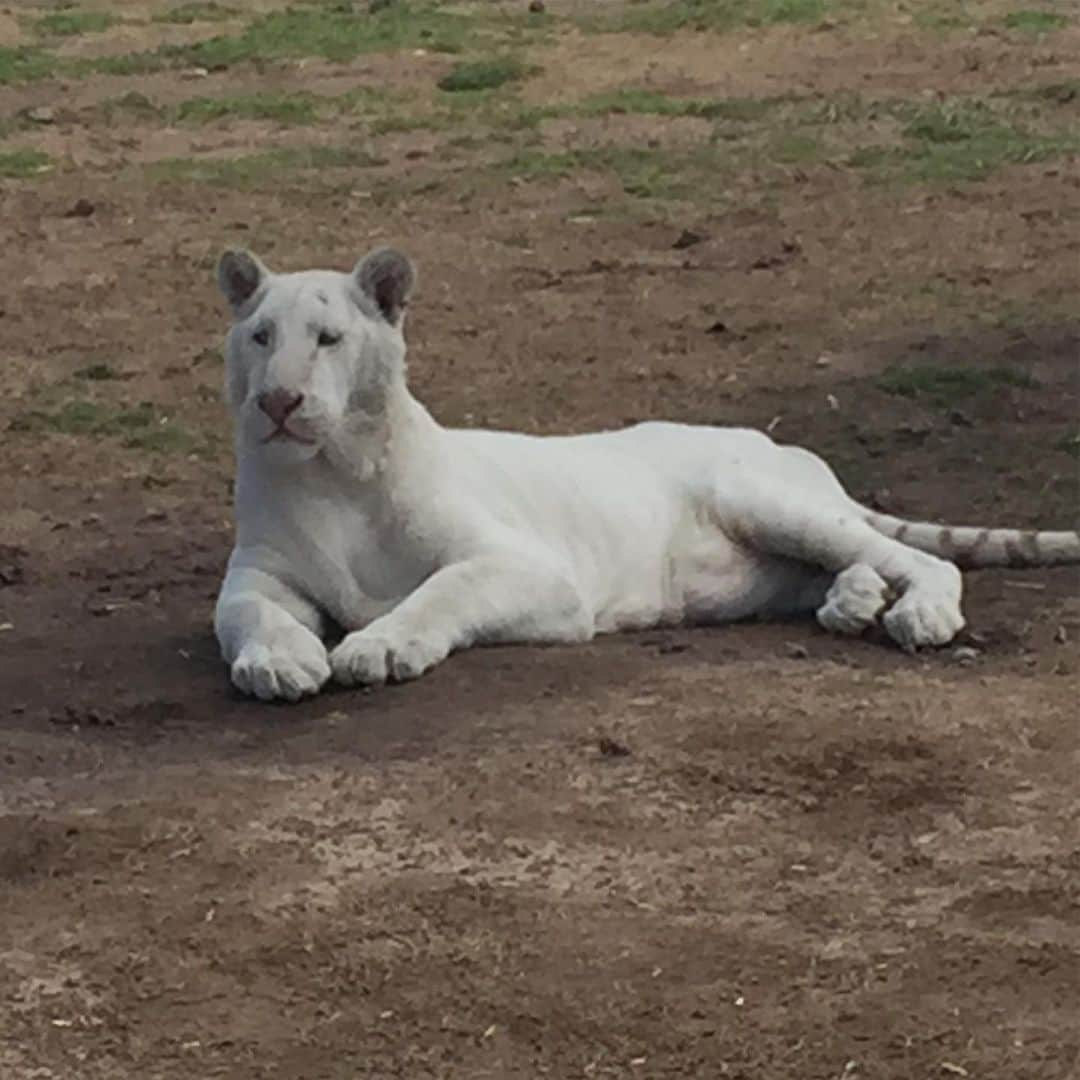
752	852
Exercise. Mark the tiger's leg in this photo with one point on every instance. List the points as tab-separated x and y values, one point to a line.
802	513
269	636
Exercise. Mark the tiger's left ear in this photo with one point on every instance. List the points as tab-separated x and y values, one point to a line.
240	276
387	277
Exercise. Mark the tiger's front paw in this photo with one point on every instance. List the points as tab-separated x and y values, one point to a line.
854	601
289	664
919	621
371	657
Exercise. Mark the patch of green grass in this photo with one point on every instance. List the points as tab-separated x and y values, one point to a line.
1061	93
945	15
330	30
126	64
257	170
643	172
74	23
1065	92
1070	444
204	11
25	64
673	15
877	159
19	164
463	111
504	113
796	148
163	437
402	120
948	124
946	385
334	33
283	108
509	115
961	141
482	74
1034	21
544	165
653	103
141	427
72	418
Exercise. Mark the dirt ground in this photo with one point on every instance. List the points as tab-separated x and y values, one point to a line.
750	852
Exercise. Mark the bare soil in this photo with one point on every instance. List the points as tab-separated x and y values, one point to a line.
753	852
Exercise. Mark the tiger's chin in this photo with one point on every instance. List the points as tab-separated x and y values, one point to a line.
287	449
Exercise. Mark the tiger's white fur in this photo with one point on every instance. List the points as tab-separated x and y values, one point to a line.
355	508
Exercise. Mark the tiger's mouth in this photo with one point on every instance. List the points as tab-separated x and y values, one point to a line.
283	431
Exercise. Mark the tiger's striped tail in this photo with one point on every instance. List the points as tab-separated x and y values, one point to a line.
974	548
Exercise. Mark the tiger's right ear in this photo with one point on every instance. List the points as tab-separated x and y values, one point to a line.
240	276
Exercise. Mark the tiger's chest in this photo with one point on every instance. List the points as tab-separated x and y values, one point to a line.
356	570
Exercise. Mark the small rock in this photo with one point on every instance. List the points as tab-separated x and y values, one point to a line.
880	499
100	608
82	208
41	115
687	238
797	651
954	1070
11	560
537	7
823	361
766	262
669	648
610	748
965	655
1061	635
718	327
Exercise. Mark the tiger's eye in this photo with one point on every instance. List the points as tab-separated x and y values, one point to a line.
328	340
261	336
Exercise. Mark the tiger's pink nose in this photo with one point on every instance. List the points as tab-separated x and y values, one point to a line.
279	404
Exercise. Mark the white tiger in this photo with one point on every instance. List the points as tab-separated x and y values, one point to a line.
355	508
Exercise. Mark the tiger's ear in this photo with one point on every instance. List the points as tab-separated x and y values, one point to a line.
386	277
240	275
